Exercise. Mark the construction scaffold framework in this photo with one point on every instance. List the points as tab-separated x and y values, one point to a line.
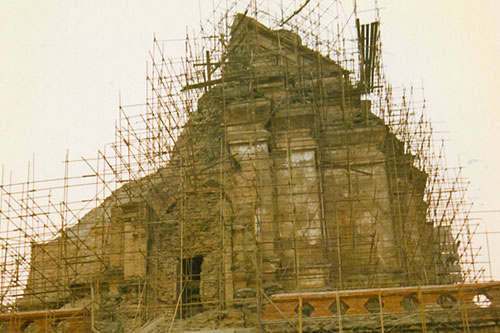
272	170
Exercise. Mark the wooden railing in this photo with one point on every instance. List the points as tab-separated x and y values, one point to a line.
386	300
63	320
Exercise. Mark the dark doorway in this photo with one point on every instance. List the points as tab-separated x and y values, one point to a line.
191	278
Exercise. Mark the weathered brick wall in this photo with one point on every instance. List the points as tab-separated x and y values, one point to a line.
282	177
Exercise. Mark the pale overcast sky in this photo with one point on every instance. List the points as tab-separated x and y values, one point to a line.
63	63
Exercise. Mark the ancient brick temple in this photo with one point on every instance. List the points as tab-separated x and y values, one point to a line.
288	203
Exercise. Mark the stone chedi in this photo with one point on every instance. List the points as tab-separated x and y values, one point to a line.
282	181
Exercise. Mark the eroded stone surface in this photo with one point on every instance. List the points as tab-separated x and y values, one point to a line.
279	181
